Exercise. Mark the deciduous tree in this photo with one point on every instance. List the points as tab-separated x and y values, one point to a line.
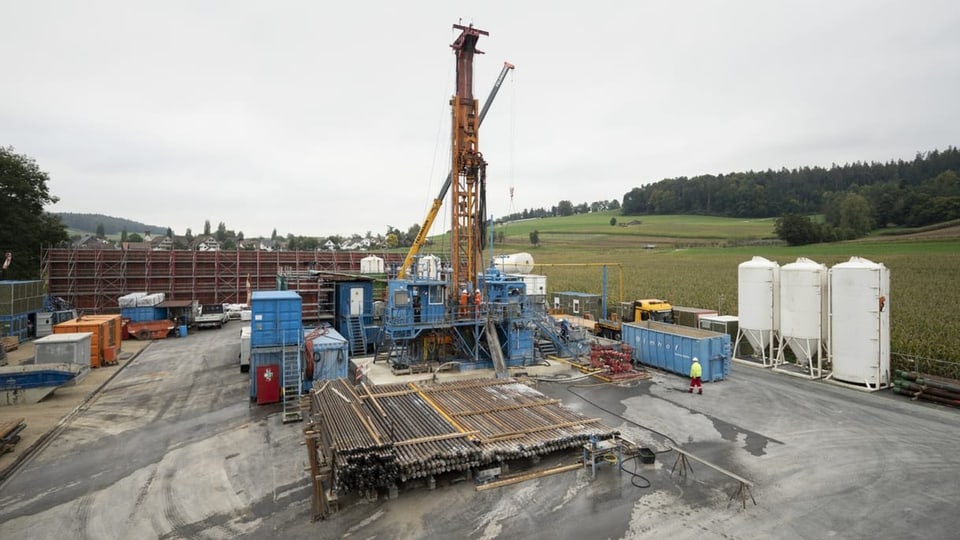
24	224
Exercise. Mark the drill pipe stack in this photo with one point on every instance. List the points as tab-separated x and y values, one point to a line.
381	435
913	385
363	455
513	420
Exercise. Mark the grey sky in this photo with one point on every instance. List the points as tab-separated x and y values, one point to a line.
321	118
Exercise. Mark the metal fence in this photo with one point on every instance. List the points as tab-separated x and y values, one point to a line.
928	366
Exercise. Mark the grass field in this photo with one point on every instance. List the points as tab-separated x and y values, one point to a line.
924	273
663	228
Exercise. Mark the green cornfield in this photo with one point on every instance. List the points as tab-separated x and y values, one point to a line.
924	274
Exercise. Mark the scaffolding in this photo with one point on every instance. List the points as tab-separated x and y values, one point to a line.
92	279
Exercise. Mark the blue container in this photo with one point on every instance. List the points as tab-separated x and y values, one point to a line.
275	318
671	348
262	357
183	330
354	299
15	325
519	345
331	356
141	314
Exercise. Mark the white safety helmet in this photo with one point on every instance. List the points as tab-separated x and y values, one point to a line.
695	359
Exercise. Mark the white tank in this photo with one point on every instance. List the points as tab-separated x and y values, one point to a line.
860	322
515	263
371	265
758	303
428	267
536	284
803	308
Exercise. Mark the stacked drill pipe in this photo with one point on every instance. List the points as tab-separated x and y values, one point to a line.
363	455
425	443
513	420
381	435
910	383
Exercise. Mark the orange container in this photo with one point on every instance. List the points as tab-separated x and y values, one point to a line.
115	323
98	341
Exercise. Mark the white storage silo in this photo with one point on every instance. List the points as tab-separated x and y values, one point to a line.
371	265
758	306
803	313
860	322
515	263
428	267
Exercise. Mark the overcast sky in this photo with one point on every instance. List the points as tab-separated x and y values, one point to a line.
320	118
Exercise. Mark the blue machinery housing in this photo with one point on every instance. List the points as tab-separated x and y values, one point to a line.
427	320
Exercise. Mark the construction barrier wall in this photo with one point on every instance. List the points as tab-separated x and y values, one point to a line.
93	279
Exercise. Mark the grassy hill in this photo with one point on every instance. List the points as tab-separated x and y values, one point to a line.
668	227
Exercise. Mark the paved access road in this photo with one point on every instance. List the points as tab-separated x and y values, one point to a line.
172	449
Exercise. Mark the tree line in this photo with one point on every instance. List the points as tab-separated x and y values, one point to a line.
898	193
562	208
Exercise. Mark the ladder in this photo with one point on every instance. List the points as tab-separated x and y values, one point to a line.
291	384
358	340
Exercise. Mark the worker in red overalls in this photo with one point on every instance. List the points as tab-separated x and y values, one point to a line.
695	373
476	301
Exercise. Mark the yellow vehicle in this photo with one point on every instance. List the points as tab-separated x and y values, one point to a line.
647	309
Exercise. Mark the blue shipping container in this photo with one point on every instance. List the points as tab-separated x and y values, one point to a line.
143	313
671	348
331	356
275	318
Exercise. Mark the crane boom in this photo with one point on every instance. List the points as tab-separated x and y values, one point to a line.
421	238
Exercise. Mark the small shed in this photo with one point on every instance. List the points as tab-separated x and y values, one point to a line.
63	348
579	304
331	355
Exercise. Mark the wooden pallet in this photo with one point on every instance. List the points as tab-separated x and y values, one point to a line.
10	434
10	343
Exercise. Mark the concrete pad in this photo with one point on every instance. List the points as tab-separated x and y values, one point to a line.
171	447
43	417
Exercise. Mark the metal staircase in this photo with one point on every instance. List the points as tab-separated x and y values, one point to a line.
388	350
358	338
292	388
548	342
546	348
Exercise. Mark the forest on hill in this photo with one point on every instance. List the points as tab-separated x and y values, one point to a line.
110	224
898	193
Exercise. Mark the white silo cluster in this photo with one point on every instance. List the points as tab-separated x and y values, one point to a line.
841	314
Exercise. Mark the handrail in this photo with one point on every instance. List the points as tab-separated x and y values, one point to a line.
742	491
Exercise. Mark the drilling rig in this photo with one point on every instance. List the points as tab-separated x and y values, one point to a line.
459	311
